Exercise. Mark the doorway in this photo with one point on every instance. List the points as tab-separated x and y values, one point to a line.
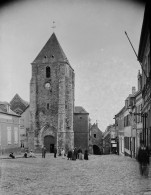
49	143
51	148
96	150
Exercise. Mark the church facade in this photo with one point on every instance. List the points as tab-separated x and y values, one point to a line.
51	99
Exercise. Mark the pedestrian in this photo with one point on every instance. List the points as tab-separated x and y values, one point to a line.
79	151
59	152
76	152
86	154
55	152
143	159
43	152
25	155
73	154
62	153
31	154
80	155
69	154
11	155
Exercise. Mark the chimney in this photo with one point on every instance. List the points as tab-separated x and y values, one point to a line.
133	90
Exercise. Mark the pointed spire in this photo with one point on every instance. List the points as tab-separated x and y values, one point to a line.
52	51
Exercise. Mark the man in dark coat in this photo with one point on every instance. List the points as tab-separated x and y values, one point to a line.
74	153
69	154
86	155
55	151
43	152
143	159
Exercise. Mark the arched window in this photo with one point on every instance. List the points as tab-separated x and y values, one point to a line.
48	72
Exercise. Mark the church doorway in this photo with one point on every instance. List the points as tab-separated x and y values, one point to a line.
96	150
49	143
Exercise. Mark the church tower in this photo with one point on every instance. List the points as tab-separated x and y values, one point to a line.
51	99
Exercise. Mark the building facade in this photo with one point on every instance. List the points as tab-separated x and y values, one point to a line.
9	129
129	123
21	107
144	59
110	140
81	128
51	99
24	128
96	140
119	128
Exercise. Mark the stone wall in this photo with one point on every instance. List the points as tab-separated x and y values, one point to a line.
60	99
81	131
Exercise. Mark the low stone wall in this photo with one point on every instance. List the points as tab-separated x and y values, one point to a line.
8	150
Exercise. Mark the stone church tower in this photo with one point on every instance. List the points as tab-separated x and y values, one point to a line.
51	99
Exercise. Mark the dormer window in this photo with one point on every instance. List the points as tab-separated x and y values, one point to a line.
48	72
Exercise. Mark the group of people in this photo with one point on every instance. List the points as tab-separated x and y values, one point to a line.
26	155
77	154
71	154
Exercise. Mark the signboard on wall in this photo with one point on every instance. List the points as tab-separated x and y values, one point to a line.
114	145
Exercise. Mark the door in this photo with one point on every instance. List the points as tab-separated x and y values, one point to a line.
96	150
49	143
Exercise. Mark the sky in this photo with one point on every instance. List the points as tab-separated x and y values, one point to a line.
91	33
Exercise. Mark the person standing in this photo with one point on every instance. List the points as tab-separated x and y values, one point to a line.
80	155
73	154
55	152
86	155
79	151
143	159
69	154
62	153
43	152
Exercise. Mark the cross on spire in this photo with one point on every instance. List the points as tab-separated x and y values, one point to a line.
53	26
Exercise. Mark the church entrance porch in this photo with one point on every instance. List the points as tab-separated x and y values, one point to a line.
49	143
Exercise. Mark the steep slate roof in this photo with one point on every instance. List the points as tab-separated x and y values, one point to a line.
51	51
17	103
80	110
3	109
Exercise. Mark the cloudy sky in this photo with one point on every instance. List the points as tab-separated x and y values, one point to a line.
91	33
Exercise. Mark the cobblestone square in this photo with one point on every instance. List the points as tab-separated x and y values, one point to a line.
100	175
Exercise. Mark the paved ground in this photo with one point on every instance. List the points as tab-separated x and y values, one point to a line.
100	175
